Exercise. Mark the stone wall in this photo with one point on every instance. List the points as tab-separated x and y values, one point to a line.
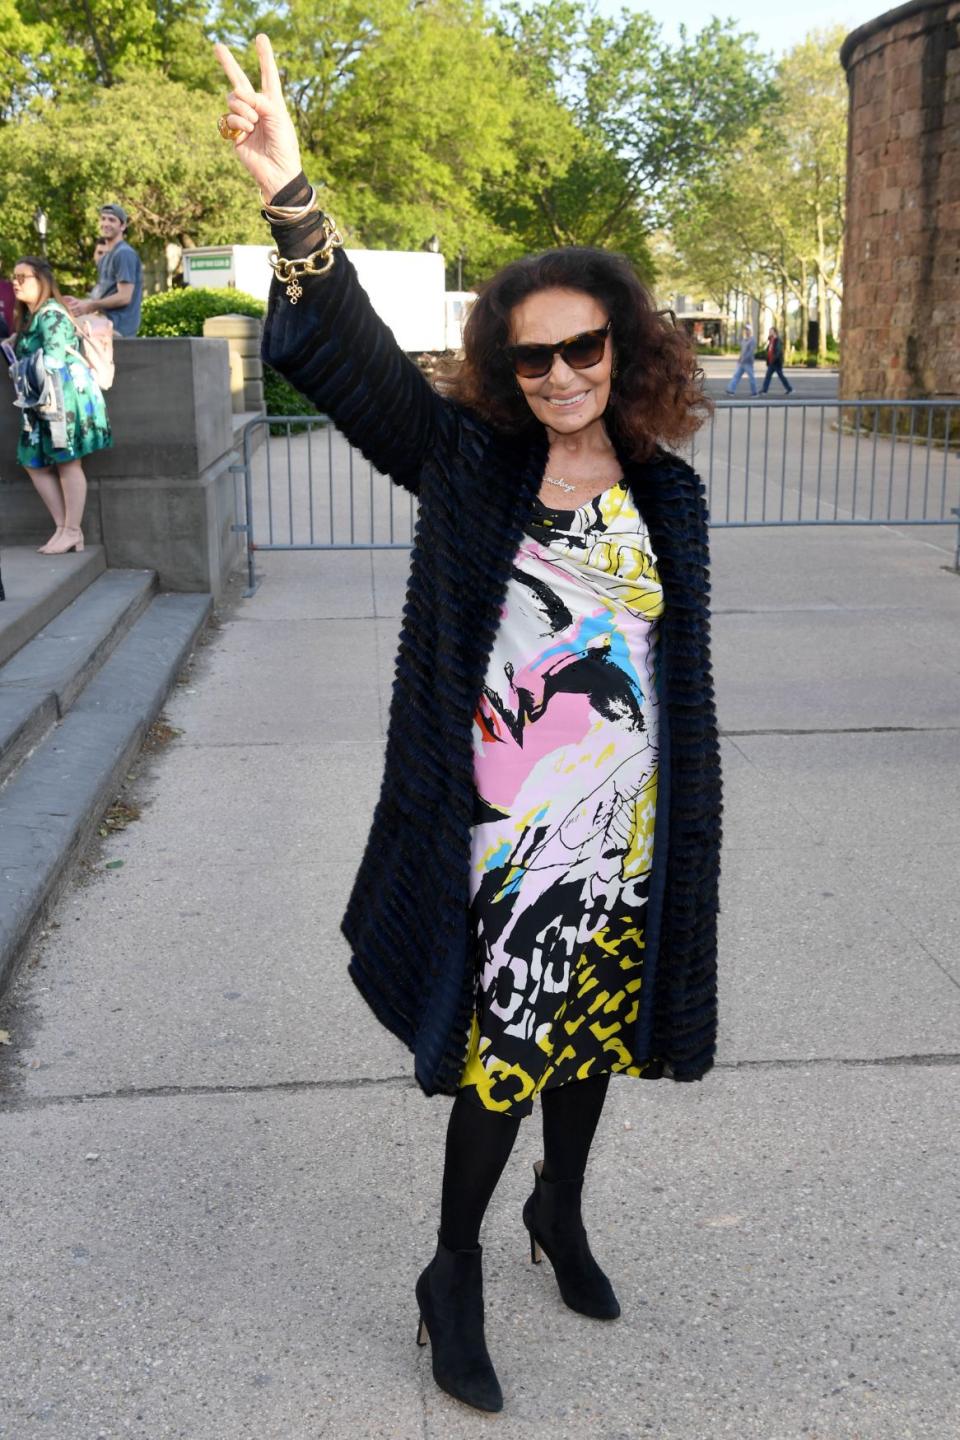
901	303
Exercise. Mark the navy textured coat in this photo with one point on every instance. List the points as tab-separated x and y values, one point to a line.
407	920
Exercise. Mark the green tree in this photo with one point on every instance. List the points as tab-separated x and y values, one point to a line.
651	116
418	119
57	42
814	100
415	119
769	215
318	44
436	118
499	134
171	174
34	59
742	227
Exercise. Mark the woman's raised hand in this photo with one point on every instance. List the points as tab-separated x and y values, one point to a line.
267	142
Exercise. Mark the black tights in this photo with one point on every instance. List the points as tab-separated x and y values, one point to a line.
479	1143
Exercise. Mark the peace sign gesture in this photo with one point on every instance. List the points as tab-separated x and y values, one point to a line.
265	139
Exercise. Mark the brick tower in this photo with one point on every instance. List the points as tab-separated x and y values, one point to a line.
901	301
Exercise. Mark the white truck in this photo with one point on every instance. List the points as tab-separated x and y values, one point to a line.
406	288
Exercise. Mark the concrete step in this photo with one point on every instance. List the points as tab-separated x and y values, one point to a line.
52	806
38	587
41	681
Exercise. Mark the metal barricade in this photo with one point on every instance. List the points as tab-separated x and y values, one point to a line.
830	462
306	488
763	462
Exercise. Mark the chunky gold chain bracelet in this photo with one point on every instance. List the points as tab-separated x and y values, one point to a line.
320	262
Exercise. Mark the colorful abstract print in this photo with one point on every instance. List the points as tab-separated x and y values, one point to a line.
565	767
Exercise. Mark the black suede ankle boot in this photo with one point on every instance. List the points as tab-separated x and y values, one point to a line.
552	1216
450	1296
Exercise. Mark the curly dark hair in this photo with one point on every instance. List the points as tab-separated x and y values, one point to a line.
656	394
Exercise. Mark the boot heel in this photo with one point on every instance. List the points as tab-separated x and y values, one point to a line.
536	1254
423	1334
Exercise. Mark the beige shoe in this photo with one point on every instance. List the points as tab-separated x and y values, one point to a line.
66	540
45	548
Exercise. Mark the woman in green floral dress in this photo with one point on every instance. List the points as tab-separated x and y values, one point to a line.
52	445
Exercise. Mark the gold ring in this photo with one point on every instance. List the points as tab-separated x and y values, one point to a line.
227	131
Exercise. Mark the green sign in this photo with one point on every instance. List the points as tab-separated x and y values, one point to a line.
210	262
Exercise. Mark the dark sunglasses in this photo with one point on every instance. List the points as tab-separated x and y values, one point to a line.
531	362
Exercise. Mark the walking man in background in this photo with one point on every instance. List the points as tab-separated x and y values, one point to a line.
745	362
775	362
118	292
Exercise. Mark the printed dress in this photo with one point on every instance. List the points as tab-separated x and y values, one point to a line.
565	768
85	413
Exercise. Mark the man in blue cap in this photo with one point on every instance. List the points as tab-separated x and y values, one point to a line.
119	290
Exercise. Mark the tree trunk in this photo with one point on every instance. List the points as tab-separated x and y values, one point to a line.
822	317
821	288
103	64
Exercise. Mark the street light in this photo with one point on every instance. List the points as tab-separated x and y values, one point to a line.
39	225
460	259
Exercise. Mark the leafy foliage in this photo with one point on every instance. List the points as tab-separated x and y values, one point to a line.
102	40
500	130
282	398
650	117
427	124
168	170
417	118
182	312
769	215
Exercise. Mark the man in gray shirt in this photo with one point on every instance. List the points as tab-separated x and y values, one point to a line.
748	348
118	293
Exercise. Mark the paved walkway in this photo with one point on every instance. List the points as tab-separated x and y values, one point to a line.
221	1182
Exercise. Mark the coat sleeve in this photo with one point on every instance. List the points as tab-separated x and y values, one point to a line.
337	351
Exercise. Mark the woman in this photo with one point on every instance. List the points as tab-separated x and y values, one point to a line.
775	362
536	906
71	420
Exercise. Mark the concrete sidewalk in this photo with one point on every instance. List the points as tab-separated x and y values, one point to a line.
221	1181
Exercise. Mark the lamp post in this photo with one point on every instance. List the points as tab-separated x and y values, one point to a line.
39	225
460	259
